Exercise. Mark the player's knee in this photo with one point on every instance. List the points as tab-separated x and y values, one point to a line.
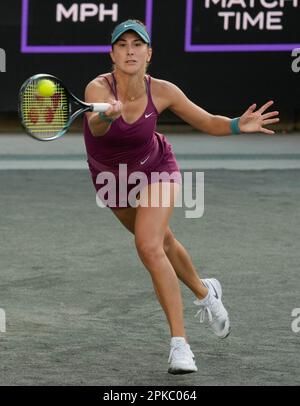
149	250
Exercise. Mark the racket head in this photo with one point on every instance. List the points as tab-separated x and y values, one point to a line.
44	118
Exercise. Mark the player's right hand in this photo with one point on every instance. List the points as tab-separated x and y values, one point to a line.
115	110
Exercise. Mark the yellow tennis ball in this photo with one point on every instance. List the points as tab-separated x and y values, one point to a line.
46	88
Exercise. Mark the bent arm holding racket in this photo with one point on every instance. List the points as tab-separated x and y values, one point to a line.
46	111
100	123
250	121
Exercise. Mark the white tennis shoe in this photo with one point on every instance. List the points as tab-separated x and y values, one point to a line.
181	359
212	308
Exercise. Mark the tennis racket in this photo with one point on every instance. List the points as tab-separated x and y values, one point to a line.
47	118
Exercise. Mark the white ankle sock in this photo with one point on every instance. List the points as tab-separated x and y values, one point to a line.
205	300
175	340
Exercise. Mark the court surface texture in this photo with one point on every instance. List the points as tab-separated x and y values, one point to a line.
80	307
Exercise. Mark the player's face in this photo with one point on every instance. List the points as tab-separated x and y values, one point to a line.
130	53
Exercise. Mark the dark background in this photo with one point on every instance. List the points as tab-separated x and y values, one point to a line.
222	83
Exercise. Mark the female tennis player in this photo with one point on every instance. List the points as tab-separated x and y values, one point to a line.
125	134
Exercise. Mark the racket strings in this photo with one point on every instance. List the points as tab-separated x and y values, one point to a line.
44	116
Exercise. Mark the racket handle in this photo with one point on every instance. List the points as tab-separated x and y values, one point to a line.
100	107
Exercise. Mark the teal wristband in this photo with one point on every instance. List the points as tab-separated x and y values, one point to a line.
234	125
103	117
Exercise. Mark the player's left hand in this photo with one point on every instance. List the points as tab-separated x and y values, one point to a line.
254	121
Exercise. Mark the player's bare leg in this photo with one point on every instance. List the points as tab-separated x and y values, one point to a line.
175	251
150	228
183	265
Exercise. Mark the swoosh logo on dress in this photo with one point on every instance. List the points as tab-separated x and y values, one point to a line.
145	160
148	115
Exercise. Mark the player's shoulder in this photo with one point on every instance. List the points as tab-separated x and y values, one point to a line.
164	88
98	84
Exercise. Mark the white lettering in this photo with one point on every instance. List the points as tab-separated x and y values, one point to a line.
2	321
296	323
296	62
226	15
81	12
113	12
270	20
108	189
133	200
274	20
88	10
62	12
259	19
198	202
164	192
125	396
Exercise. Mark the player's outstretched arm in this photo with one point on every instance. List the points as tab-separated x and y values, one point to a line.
251	120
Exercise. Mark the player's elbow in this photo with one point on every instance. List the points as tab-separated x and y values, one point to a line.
96	133
94	128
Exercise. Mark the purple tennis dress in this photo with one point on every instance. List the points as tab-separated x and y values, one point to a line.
133	154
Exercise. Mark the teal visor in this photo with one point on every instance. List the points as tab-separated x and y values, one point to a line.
130	25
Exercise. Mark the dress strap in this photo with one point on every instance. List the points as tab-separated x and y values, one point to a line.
148	83
114	86
111	85
150	100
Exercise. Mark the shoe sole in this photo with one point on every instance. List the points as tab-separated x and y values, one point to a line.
227	334
229	331
180	371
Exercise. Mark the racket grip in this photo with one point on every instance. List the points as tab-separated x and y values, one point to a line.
100	107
